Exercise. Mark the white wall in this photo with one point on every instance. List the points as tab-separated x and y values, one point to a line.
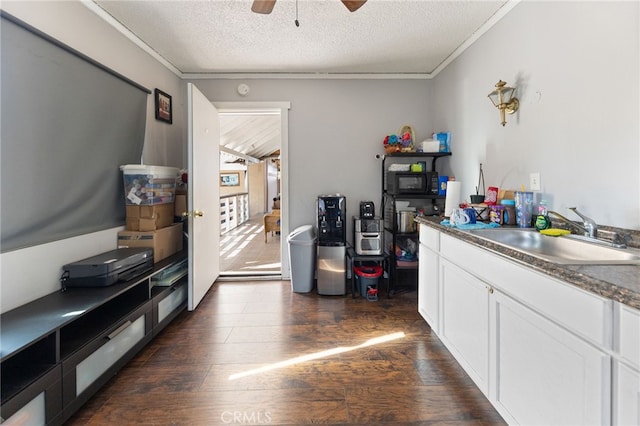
576	68
336	127
34	272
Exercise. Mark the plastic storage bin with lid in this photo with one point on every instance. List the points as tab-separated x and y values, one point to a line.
149	185
367	279
302	258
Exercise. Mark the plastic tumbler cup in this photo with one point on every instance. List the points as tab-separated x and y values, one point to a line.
524	208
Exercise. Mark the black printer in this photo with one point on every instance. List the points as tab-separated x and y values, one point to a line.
108	268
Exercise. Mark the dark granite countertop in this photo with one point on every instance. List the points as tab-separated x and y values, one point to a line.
616	282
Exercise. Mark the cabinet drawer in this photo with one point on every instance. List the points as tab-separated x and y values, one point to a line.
430	237
627	332
584	313
38	403
168	304
32	413
119	343
92	366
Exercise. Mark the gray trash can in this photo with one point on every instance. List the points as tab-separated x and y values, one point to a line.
302	258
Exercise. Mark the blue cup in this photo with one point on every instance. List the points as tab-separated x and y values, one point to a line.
524	208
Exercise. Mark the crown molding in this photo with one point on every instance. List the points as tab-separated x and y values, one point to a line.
506	8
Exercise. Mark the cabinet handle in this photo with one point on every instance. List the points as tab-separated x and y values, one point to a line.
118	330
490	290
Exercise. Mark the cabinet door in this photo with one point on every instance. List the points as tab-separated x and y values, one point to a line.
543	373
626	384
626	395
428	286
464	320
627	334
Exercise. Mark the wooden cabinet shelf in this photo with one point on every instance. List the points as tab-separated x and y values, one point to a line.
21	370
57	351
81	331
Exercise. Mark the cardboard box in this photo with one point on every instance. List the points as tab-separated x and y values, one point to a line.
164	242
180	205
505	194
149	218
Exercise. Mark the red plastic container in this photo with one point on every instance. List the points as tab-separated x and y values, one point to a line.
367	277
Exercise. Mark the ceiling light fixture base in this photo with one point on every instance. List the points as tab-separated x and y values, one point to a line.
243	89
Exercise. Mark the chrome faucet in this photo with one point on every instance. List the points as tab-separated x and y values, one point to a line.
590	226
571	223
590	230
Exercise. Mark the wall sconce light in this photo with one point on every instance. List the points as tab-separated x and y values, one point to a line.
503	98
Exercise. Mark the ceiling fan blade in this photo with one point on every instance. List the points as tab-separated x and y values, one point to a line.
263	6
353	5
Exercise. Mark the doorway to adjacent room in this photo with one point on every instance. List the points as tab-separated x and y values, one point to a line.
251	243
244	252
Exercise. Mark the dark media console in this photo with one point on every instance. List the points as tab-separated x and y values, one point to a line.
57	351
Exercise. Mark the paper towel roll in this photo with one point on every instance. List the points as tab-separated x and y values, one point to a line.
452	199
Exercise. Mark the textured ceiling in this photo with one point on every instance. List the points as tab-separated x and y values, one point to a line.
224	36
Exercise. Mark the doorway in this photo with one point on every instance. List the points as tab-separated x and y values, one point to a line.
253	145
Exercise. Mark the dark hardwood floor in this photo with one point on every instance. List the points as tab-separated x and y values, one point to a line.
240	359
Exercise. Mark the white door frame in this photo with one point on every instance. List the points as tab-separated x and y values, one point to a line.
284	108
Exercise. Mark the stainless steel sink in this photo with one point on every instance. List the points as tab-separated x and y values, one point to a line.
563	249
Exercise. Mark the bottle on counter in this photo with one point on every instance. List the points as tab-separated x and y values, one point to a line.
509	214
542	219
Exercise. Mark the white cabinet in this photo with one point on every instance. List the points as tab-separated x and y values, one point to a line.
627	334
626	395
224	216
464	321
428	272
232	217
243	208
543	351
234	211
626	366
543	373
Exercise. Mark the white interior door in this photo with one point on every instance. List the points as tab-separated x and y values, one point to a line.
204	194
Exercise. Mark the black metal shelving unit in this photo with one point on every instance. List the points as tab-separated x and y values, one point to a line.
392	236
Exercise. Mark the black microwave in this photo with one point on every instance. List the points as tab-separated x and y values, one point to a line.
399	183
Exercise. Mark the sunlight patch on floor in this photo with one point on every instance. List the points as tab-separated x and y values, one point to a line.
318	355
243	250
264	266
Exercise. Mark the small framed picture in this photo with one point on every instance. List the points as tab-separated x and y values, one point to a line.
229	179
163	106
